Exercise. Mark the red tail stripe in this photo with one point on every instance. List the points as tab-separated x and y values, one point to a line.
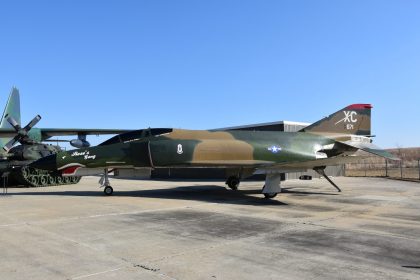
359	106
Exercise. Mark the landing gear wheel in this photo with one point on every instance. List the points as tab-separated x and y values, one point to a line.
270	195
108	190
233	182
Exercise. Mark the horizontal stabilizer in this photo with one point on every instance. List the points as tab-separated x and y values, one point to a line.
371	148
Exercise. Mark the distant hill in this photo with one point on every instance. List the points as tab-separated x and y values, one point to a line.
407	168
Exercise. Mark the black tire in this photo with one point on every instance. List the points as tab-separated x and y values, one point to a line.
108	190
270	195
233	183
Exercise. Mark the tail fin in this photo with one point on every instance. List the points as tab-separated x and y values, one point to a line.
353	119
12	109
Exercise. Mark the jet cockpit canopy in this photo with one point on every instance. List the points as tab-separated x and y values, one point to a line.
136	135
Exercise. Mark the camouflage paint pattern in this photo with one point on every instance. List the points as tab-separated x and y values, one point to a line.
251	150
351	120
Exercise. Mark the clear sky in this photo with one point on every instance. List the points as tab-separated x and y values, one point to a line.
207	64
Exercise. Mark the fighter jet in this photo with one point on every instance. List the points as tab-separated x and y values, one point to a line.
342	137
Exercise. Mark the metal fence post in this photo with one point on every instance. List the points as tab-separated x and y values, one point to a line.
365	168
418	165
386	168
401	169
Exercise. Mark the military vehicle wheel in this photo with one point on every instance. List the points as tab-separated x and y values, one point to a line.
59	180
270	195
233	182
51	180
43	181
34	181
74	180
67	180
108	190
25	172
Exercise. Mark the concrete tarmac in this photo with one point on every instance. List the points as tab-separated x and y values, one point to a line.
201	230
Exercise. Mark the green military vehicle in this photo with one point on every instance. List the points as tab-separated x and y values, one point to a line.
15	159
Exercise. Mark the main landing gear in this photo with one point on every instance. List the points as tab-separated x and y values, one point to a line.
272	186
233	182
104	181
270	189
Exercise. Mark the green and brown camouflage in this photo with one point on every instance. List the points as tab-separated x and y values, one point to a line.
352	120
334	140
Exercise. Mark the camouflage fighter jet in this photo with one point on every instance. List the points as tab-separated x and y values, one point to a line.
340	138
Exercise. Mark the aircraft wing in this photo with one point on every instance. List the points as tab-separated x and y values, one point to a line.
7	132
305	165
351	152
50	132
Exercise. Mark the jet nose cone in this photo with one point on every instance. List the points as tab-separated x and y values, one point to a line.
46	163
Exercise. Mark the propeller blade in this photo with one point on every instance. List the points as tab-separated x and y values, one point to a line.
32	123
14	123
10	144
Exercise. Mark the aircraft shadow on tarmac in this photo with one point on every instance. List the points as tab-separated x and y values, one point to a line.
205	193
411	266
304	193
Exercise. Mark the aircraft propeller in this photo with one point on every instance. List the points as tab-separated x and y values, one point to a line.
22	133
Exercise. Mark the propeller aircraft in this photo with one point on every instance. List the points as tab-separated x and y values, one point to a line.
14	159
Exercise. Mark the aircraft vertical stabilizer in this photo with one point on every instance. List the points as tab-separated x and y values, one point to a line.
354	119
12	109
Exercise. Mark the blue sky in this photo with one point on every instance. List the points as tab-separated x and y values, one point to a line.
208	64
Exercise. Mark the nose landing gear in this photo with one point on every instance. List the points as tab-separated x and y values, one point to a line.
104	181
108	190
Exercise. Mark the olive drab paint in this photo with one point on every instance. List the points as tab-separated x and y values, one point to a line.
331	141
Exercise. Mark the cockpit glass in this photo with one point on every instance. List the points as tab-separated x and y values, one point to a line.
136	135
